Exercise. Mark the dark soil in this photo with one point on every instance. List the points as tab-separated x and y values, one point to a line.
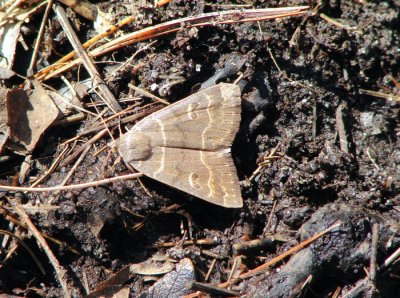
323	69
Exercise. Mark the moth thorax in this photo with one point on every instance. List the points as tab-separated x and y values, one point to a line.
135	147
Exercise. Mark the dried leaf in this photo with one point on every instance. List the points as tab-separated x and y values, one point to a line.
112	286
9	34
152	268
28	116
123	293
3	119
5	73
10	27
173	284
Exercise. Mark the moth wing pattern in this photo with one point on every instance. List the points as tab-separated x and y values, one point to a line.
190	144
208	175
207	120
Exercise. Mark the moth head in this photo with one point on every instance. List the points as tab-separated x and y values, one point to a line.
134	146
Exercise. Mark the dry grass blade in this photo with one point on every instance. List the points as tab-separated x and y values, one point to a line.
105	93
20	241
207	19
71	187
61	273
10	217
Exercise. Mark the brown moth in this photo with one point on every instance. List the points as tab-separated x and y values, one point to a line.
187	145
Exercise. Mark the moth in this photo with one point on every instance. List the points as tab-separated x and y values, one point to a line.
187	145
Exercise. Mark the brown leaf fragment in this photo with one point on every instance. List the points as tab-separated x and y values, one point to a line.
10	28
68	98
151	268
6	73
173	284
97	222
29	114
123	293
3	118
113	285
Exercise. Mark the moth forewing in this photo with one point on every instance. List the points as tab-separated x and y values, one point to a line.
187	145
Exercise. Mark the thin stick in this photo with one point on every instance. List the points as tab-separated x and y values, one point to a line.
236	264
71	187
266	160
341	128
148	94
51	169
101	114
267	226
125	120
129	61
90	42
16	4
214	261
76	165
74	106
387	96
374	251
61	273
201	242
10	217
284	255
71	171
6	4
275	260
78	151
39	38
24	245
208	19
372	160
337	292
211	289
393	257
339	24
106	94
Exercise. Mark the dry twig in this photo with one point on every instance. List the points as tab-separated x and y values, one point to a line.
105	93
148	94
82	148
386	96
10	217
39	38
210	270
23	244
374	251
266	160
61	273
71	187
341	128
275	260
210	289
208	19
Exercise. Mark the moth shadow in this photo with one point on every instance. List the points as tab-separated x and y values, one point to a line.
259	115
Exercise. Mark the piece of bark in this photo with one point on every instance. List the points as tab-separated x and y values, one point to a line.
173	283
